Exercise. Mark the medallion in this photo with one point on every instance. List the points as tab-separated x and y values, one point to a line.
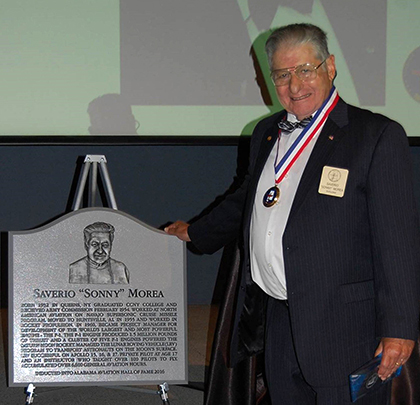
271	196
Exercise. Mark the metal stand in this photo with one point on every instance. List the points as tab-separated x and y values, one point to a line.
30	394
163	392
92	161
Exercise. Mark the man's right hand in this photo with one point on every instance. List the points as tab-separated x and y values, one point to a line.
179	229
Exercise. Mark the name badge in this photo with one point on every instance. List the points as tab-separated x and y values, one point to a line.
333	181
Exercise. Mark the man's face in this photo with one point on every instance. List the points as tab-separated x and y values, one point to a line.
99	247
298	97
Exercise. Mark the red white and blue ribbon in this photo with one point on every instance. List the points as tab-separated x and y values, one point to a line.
308	133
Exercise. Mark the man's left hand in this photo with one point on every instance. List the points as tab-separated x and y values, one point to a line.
395	352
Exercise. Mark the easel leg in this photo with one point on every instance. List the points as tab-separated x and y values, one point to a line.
92	161
30	394
163	392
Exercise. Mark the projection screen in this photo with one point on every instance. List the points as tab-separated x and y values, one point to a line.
190	67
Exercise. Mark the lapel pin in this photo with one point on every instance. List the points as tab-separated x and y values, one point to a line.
269	138
331	137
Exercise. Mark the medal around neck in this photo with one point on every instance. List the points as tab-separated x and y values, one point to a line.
304	138
271	196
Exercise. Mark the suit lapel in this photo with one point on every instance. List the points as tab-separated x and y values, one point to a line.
327	142
267	143
268	139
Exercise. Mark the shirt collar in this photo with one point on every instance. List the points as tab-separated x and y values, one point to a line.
292	117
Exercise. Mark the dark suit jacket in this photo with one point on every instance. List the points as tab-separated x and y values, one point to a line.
352	263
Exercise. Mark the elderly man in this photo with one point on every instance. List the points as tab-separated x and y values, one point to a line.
98	267
330	233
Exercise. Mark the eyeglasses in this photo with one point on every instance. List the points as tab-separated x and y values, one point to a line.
307	71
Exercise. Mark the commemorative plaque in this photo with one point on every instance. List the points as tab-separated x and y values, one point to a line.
97	297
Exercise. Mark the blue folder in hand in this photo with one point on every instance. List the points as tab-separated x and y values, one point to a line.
365	380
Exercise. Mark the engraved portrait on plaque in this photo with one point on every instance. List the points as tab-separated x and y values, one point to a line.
97	267
97	297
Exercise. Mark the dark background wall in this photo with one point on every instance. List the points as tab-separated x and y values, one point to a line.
156	183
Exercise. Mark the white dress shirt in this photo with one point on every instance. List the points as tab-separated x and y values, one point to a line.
268	223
